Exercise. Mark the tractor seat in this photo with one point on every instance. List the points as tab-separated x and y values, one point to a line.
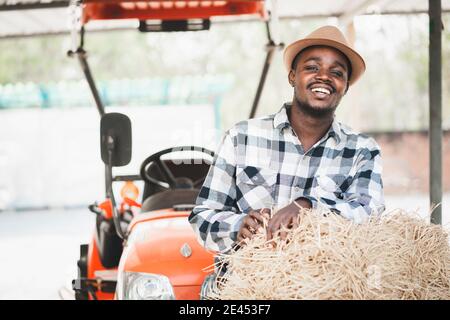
169	198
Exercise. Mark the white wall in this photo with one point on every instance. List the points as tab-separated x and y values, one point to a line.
52	157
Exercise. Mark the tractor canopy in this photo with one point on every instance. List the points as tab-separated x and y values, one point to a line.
168	10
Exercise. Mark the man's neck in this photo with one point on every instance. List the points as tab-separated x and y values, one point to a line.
308	129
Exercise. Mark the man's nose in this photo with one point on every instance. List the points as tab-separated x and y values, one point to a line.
322	75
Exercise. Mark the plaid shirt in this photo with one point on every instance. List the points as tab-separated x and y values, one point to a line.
261	164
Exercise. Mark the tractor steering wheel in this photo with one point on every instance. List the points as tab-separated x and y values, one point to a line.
172	181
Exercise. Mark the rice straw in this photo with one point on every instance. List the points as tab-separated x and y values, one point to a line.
393	256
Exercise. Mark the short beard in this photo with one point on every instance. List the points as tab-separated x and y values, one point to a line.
317	113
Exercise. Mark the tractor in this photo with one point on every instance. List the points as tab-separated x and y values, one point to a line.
148	250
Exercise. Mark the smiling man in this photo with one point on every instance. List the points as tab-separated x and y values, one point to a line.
299	157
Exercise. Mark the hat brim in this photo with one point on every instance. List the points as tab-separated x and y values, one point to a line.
357	62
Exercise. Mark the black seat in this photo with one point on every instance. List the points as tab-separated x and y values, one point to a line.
170	198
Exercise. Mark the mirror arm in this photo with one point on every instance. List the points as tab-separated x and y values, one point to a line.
109	190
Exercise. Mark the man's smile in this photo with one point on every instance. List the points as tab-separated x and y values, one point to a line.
321	91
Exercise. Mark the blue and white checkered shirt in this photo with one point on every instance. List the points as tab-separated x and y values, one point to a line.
261	164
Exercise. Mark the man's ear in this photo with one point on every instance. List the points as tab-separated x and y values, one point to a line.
346	89
291	78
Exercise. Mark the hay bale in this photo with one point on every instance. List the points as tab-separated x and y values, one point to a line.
395	256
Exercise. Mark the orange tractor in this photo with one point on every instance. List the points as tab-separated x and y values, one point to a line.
148	250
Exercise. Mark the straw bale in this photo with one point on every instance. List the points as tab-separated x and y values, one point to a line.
393	256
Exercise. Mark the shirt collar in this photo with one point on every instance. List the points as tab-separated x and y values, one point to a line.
335	131
281	121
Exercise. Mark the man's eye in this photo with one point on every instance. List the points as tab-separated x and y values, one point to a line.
337	74
311	68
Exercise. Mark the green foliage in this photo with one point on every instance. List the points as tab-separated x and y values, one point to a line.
33	60
393	93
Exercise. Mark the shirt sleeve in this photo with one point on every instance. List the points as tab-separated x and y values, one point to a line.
364	196
216	219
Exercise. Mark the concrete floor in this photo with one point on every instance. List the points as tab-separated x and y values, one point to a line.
39	249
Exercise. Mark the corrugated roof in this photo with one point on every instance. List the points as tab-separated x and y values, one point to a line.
31	17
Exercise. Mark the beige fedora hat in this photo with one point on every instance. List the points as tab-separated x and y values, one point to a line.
327	36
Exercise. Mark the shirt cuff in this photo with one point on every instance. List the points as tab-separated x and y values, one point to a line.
234	230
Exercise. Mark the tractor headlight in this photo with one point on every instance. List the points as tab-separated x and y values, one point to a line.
209	286
144	286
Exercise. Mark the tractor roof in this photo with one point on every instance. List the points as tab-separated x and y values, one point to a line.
168	10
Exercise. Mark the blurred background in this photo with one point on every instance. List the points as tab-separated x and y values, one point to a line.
183	88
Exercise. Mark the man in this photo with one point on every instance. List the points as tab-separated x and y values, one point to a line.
298	157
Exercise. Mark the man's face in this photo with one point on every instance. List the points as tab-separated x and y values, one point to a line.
319	80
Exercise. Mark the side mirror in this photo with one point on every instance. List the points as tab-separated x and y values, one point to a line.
115	139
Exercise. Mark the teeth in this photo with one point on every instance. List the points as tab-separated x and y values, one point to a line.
322	90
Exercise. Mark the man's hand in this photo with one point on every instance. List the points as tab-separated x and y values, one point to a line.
286	217
251	223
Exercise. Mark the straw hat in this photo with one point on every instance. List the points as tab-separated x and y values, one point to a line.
327	36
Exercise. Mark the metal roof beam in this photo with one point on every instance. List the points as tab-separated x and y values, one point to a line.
64	31
34	5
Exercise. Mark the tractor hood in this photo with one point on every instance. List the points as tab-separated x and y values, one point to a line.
163	242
